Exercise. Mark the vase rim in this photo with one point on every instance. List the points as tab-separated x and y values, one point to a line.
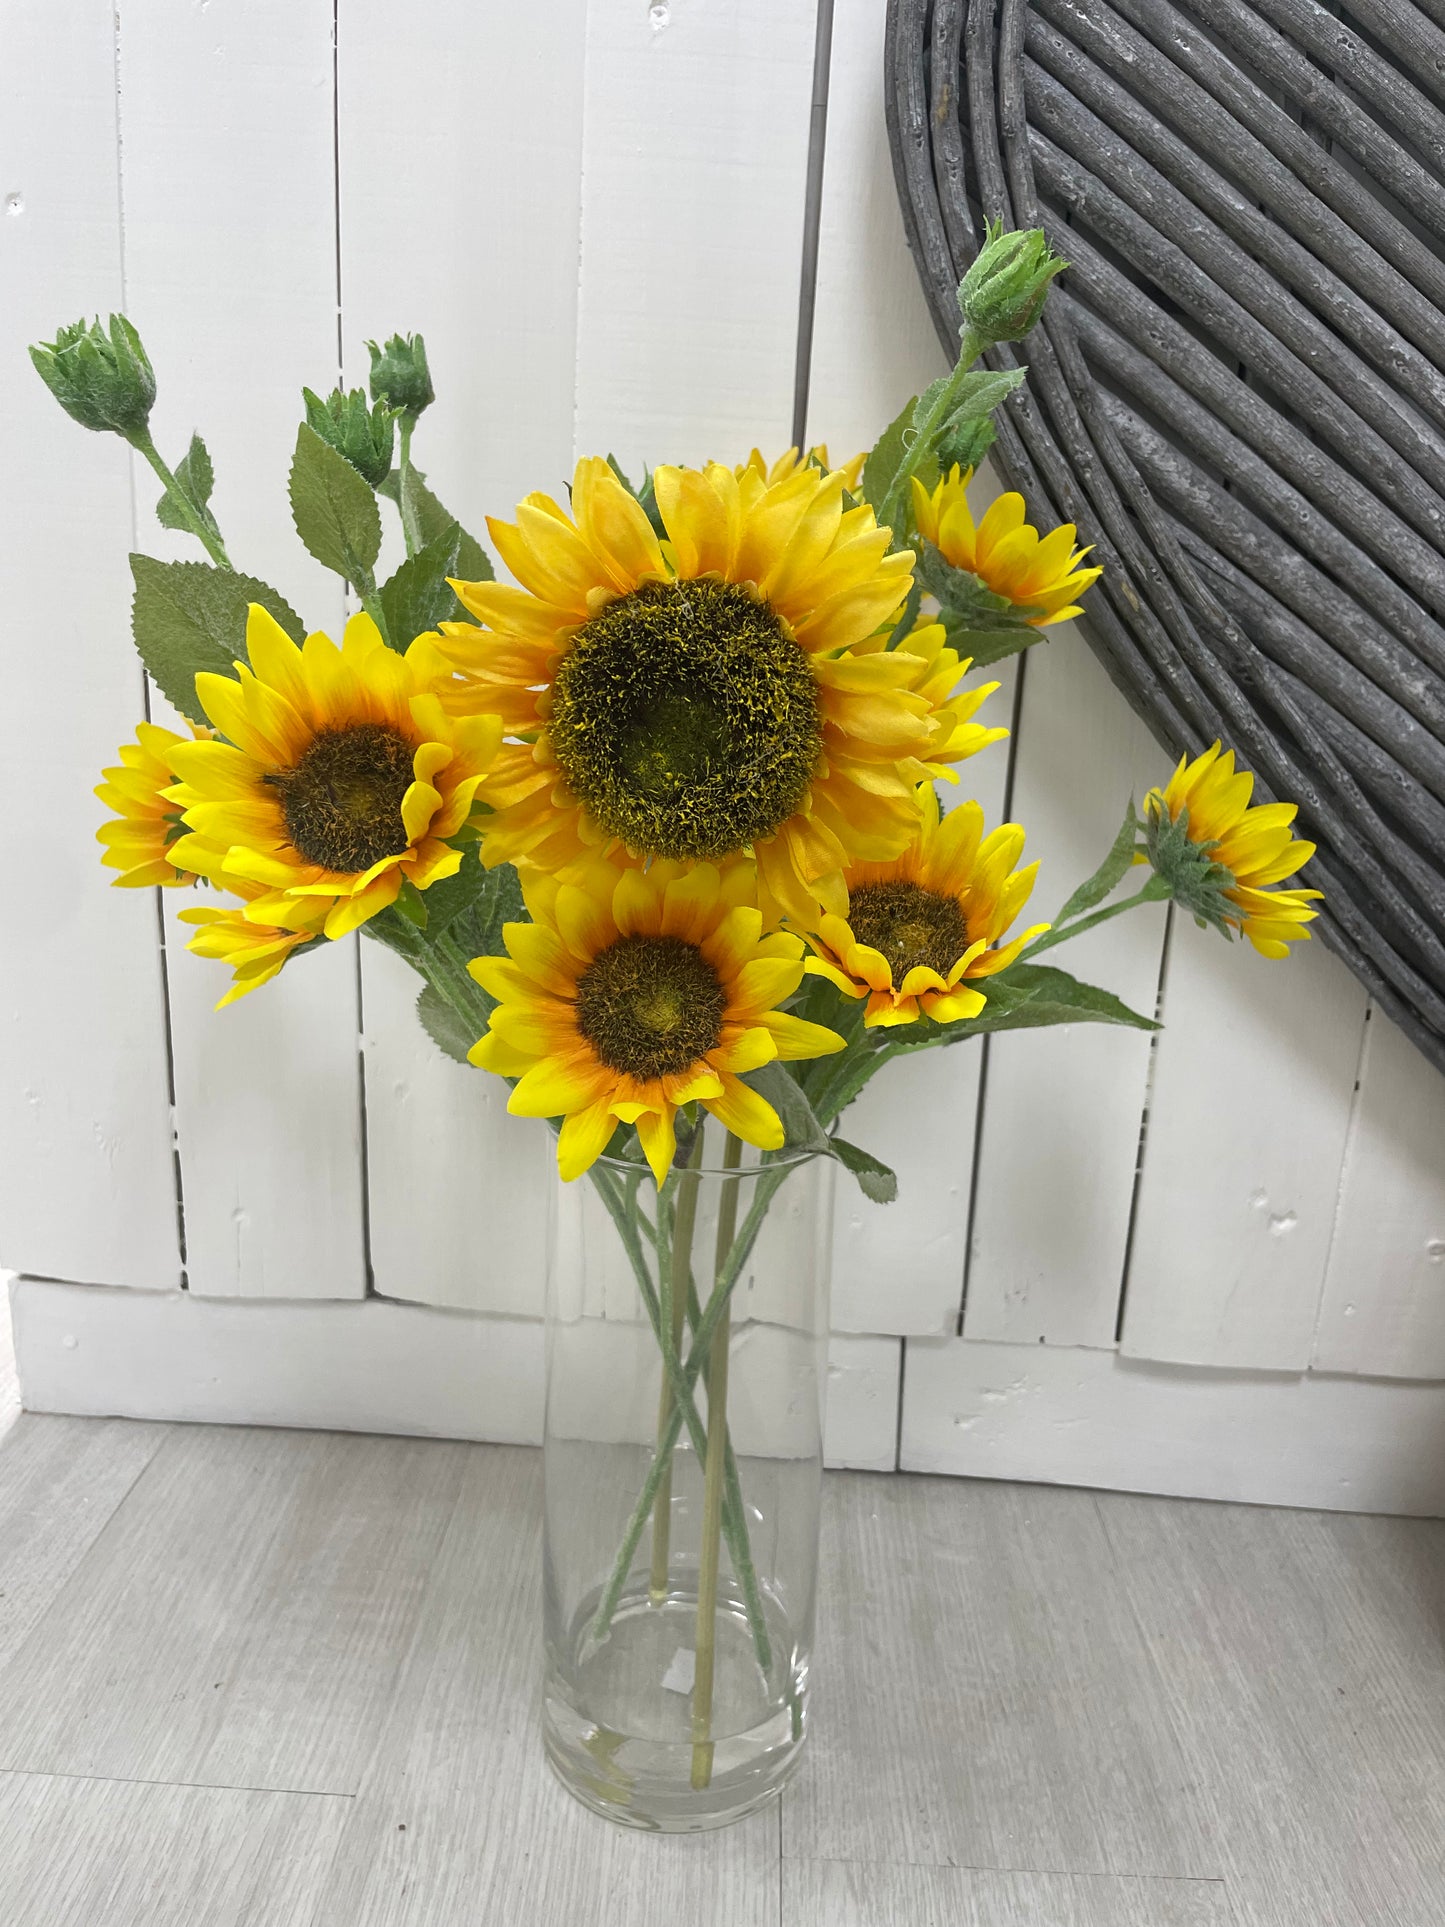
781	1161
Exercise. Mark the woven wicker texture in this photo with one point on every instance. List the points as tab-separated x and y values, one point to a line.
1236	393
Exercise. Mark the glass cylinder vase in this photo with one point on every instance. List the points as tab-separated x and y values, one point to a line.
686	1356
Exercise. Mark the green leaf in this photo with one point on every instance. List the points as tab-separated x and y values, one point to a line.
801	1130
1034	996
417	597
442	1024
452	896
334	509
1110	872
925	404
985	647
195	478
979	394
475	925
887	452
409	904
473	563
875	1180
188	616
966	598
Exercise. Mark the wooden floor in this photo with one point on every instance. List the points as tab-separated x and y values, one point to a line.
272	1679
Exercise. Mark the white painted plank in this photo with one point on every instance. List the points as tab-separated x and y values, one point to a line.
86	1174
695	147
1384	1300
1253	1080
1080	1417
861	1423
459	220
229	200
78	1852
370	1366
1062	1108
844	1893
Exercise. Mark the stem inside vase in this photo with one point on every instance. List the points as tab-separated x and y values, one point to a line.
673	1277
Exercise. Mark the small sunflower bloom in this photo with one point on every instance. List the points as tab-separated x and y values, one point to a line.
1224	857
922	932
698	697
1037	573
342	774
937	672
639	991
255	952
139	841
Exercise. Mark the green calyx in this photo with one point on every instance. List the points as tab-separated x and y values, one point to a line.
1003	293
650	1006
909	926
103	380
1196	882
685	718
365	436
342	801
400	376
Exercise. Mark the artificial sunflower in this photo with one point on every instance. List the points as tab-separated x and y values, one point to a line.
936	672
1223	856
255	951
699	696
921	931
638	991
344	774
139	841
1039	573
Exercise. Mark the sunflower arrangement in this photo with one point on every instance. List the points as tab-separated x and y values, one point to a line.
658	819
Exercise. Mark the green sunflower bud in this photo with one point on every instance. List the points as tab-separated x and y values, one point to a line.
363	435
400	376
103	381
1003	293
1196	882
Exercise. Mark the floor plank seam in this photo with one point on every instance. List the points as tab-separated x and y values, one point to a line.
194	1786
1054	1873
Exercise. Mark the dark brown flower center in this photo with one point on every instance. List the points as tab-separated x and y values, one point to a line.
909	925
342	801
686	719
650	1006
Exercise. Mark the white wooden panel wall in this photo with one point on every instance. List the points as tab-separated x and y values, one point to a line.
230	274
596	214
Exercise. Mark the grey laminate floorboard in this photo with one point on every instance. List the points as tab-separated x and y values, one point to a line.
243	1620
1302	1659
9	1384
61	1481
834	1893
984	1696
111	1853
459	1820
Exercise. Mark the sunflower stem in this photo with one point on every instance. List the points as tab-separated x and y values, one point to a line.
713	1482
673	1280
765	1191
209	540
1156	890
403	465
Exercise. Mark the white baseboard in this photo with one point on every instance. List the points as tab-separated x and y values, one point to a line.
367	1365
1081	1417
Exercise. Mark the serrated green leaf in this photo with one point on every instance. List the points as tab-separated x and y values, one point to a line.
333	508
980	393
1110	872
887	452
473	564
187	617
409	904
924	406
1032	996
417	597
985	647
875	1180
425	520
450	897
195	478
444	1027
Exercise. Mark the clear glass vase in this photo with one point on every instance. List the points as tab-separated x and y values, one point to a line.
686	1353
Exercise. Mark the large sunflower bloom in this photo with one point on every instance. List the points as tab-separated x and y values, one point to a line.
139	841
1257	848
255	951
635	992
922	931
1003	551
701	696
342	776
